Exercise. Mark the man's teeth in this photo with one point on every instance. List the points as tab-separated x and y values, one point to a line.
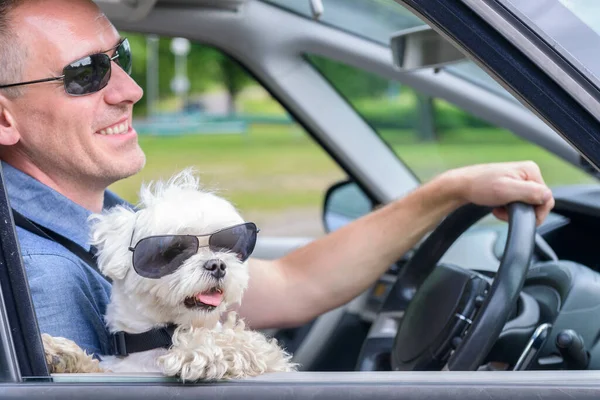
116	130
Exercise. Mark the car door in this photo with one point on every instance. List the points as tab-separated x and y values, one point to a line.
16	381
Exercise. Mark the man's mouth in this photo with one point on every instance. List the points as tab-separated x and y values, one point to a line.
208	300
116	129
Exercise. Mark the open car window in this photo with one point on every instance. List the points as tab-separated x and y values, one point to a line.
215	117
243	144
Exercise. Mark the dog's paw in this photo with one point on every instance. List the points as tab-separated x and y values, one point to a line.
194	365
250	353
194	356
276	359
65	356
231	353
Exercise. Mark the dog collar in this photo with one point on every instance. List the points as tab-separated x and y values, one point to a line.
125	343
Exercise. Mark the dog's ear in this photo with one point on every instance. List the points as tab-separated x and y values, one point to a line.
111	233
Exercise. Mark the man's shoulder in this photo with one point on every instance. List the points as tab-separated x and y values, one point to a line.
45	258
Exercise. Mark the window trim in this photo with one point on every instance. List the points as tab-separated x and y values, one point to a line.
20	339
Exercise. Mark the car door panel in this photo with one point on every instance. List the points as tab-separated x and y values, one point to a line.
353	385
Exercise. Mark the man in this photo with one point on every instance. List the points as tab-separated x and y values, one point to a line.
64	141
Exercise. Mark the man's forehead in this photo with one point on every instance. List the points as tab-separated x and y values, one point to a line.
65	32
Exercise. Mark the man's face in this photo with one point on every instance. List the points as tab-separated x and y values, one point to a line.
68	137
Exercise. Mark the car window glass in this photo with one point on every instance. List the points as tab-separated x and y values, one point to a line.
569	27
431	135
203	110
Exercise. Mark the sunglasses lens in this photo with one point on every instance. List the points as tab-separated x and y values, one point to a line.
239	239
88	75
157	256
124	56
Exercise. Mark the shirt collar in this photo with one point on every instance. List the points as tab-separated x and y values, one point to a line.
48	208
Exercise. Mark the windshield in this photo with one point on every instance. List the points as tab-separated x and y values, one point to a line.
572	27
371	19
431	135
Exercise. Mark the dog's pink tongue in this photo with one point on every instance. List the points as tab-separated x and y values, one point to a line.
212	299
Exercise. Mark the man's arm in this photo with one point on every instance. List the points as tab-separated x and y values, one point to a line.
334	269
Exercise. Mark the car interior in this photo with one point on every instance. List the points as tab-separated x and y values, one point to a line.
474	295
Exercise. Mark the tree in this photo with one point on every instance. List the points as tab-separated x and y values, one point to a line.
234	78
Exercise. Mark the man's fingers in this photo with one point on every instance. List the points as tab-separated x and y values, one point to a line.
501	213
529	192
518	182
531	171
541	212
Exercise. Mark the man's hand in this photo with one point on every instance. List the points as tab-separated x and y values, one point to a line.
496	185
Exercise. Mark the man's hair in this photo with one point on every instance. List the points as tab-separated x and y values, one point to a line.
12	52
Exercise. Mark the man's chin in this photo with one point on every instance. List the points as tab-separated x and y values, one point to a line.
128	166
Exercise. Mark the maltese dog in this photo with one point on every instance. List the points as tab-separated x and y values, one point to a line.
178	262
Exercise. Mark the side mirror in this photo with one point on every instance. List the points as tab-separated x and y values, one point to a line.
344	202
422	47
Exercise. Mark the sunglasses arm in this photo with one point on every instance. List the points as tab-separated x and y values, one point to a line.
58	78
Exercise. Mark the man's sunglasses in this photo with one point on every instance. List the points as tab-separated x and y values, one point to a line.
89	74
158	256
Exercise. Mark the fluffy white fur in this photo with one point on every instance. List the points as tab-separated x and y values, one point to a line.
203	347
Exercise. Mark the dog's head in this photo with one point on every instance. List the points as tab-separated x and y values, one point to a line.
181	258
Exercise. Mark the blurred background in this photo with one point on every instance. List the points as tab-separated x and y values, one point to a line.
201	109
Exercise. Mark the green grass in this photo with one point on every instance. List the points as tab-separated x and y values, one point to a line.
457	148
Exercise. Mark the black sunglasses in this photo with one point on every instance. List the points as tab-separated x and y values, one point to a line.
91	73
158	256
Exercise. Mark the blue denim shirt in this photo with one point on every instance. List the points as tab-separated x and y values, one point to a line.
69	297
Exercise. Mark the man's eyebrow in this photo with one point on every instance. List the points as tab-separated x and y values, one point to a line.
98	51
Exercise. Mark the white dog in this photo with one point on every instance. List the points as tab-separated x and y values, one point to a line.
180	261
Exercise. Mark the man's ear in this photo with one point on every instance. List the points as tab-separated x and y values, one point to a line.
9	133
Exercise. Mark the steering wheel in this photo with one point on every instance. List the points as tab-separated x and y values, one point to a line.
453	316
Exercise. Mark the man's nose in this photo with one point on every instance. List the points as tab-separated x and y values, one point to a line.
216	267
121	87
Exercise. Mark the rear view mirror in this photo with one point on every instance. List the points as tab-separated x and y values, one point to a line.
422	47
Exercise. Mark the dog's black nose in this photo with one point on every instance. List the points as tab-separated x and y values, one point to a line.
216	267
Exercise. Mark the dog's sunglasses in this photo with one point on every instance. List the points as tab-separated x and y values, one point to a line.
158	256
89	74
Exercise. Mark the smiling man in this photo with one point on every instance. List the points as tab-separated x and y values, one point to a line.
66	101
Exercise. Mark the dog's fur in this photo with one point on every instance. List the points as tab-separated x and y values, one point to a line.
204	347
